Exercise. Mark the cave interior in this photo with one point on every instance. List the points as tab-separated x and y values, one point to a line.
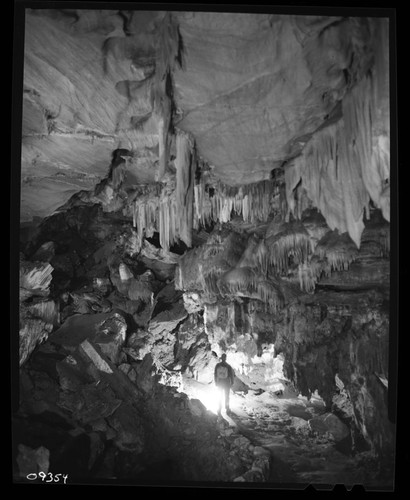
193	184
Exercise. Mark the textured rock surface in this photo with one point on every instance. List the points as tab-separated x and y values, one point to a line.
69	129
267	84
291	87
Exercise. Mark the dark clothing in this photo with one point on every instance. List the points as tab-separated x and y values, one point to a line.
224	381
224	385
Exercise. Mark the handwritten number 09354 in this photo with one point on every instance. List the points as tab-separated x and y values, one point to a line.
47	477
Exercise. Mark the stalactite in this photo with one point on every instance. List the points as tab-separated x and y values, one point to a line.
185	166
367	147
168	52
200	268
292	179
338	249
310	272
118	175
145	212
168	207
346	164
253	202
291	240
248	282
262	256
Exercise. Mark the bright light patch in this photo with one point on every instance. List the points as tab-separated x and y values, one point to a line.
208	395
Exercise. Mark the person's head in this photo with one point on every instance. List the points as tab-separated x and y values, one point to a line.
223	357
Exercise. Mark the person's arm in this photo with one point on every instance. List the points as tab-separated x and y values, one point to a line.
232	374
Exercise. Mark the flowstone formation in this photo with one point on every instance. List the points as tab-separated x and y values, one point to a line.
176	206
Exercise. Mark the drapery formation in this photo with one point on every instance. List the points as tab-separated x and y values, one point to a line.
167	207
347	164
253	202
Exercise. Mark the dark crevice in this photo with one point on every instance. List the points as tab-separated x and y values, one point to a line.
154	240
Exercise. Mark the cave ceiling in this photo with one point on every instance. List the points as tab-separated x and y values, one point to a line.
258	93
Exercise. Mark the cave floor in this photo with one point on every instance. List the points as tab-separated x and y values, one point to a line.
299	456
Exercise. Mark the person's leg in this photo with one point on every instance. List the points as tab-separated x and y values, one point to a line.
219	391
227	391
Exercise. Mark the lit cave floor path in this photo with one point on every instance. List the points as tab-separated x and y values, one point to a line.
281	426
298	455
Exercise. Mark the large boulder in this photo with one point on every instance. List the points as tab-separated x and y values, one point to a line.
108	330
169	311
329	423
33	331
89	403
35	279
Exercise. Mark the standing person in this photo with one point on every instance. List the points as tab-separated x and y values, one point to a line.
224	378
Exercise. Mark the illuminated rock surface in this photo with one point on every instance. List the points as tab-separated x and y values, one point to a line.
193	184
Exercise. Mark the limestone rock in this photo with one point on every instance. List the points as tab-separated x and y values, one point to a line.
86	303
145	374
32	460
35	278
140	312
101	285
47	310
72	374
253	476
109	328
328	422
125	272
196	407
167	320
101	425
153	253
250	84
93	354
69	447
129	371
45	253
192	302
130	433
138	345
111	334
33	332
89	403
300	425
163	271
